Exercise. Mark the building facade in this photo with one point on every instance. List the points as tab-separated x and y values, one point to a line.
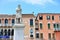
44	26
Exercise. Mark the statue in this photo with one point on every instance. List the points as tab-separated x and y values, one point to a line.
19	25
19	14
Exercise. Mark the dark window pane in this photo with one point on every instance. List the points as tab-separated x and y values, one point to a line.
41	35
53	35
5	31
37	35
6	21
40	25
1	33
31	22
9	32
57	25
13	21
52	17
31	35
48	17
12	32
48	26
49	35
54	25
41	17
36	28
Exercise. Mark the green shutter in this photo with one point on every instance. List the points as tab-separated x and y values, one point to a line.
48	26
31	22
54	25
40	25
57	25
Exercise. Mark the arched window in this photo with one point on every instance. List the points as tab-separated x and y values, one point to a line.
6	21
1	32
13	21
31	32
37	34
5	32
9	32
12	32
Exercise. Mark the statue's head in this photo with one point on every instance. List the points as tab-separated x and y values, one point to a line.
18	9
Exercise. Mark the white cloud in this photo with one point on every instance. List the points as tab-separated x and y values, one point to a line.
40	2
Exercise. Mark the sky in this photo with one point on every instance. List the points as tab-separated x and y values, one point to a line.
30	6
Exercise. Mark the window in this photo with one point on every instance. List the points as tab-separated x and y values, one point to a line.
41	35
13	21
36	28
6	21
31	33
12	32
0	21
48	25
31	22
53	36
48	17
8	32
5	31
1	33
52	17
54	25
41	17
37	35
40	25
49	35
57	25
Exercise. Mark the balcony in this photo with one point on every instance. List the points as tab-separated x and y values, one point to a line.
52	39
40	39
56	29
2	25
36	28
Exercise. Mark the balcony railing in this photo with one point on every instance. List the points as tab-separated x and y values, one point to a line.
52	39
40	39
36	28
6	25
56	29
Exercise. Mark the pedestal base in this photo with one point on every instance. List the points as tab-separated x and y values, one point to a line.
18	34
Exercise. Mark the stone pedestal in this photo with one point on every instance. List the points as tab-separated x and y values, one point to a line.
19	25
18	32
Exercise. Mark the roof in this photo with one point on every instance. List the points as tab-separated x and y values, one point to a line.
28	15
49	13
23	15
